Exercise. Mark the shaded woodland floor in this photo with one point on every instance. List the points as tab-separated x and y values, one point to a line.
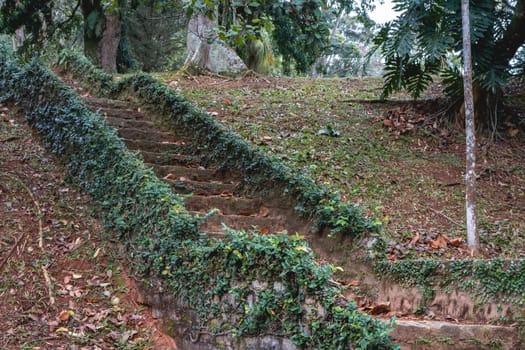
63	282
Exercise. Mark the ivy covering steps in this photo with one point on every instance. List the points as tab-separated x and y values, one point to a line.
172	156
244	288
327	210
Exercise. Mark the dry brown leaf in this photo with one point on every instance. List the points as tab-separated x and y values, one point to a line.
513	132
439	242
247	212
264	211
456	242
354	283
170	176
63	316
264	231
380	309
414	240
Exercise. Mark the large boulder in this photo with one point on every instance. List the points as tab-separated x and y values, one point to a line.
207	52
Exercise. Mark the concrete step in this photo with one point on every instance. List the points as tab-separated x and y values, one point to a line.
438	335
227	205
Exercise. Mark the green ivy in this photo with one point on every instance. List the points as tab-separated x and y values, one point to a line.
496	280
261	283
225	149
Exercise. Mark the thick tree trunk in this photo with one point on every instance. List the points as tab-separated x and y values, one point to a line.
108	45
101	35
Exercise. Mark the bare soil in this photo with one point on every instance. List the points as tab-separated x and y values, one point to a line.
63	282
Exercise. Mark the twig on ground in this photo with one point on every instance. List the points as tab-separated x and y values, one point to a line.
446	217
38	211
48	284
11	252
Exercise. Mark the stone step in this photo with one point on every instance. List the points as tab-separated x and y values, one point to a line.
118	112
195	173
131	123
227	205
263	225
101	102
168	158
159	147
139	134
439	335
201	188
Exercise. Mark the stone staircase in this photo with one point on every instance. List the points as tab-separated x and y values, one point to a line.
175	159
172	155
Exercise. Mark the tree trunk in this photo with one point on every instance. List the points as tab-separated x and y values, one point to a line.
101	35
323	60
470	197
19	38
108	45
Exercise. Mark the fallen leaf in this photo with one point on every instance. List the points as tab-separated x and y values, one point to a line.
264	231
513	132
380	309
77	276
302	248
63	315
267	138
264	211
97	252
414	240
388	123
247	212
456	242
439	242
354	283
170	176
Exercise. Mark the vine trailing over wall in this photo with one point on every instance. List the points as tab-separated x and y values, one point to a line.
497	280
261	283
226	149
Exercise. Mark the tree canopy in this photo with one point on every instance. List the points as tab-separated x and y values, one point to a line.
426	40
